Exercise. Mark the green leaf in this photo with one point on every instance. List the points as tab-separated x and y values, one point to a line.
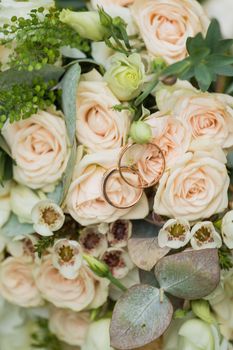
213	34
4	146
67	177
12	76
178	67
139	317
224	45
195	44
6	167
190	274
215	61
227	71
203	76
201	309
70	4
69	86
148	277
57	194
13	227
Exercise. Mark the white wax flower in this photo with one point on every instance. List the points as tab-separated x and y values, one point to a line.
47	217
175	233
205	236
92	241
118	261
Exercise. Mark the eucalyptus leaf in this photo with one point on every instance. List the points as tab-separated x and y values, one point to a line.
146	252
189	275
67	177
148	277
13	76
69	85
139	317
13	227
144	229
57	194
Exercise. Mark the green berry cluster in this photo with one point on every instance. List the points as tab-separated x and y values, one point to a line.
37	40
22	100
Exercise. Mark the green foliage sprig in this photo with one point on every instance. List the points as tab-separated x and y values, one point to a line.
36	41
225	258
20	101
43	338
43	244
208	58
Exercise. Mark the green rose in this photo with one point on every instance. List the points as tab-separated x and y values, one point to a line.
140	132
125	76
86	23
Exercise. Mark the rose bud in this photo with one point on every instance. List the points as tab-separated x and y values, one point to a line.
67	258
92	241
47	217
118	262
119	234
140	132
205	236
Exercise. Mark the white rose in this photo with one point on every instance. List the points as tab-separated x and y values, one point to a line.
69	326
98	336
17	284
166	25
40	147
227	229
5	207
85	201
206	115
98	126
196	187
22	200
223	12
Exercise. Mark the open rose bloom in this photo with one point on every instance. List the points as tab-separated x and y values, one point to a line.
116	175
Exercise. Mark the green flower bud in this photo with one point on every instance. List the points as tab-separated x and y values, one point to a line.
125	76
140	132
201	309
86	23
98	267
159	64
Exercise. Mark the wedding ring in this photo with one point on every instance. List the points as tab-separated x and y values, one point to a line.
115	189
146	160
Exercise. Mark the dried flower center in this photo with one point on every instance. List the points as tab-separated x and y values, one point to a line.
49	215
66	253
91	241
203	235
119	230
177	230
28	247
112	259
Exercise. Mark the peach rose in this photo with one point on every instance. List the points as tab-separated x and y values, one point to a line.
170	135
69	326
76	294
195	188
85	201
206	115
99	127
17	284
39	145
165	25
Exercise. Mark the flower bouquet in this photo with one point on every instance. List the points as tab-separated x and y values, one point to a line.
116	138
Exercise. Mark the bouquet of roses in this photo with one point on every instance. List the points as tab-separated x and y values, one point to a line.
116	170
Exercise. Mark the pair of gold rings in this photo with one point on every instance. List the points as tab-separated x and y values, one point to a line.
139	166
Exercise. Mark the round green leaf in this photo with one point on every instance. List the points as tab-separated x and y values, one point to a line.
14	228
139	317
189	275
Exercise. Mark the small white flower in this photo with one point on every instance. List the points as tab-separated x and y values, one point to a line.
205	236
47	217
92	241
118	261
119	233
103	228
67	258
227	229
175	233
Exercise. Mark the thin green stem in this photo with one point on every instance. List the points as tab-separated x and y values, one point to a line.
116	282
148	90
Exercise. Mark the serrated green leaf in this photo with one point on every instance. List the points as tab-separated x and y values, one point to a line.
139	317
189	275
69	85
213	34
203	76
12	76
13	227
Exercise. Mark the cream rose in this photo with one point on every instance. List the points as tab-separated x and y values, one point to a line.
170	135
195	188
17	284
99	127
39	145
69	326
76	294
85	201
206	115
165	25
